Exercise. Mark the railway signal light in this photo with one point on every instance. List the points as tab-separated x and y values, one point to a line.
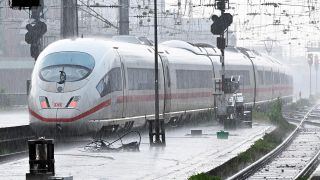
33	36
19	4
35	32
220	24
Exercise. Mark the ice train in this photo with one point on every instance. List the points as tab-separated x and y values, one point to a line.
81	85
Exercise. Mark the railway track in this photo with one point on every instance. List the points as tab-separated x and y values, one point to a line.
296	157
13	141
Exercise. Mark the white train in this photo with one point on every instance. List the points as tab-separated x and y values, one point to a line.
80	85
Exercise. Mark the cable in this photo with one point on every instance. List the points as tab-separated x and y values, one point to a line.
103	145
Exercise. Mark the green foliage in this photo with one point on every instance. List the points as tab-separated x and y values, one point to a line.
274	113
203	176
244	157
260	147
303	178
263	145
2	91
260	116
256	151
275	116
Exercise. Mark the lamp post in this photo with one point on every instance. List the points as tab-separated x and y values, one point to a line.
156	126
157	122
316	66
310	62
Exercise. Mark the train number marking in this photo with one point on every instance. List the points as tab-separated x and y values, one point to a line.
57	104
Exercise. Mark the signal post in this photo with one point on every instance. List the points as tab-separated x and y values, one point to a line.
230	104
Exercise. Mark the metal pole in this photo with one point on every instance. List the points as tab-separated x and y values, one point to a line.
223	73
222	67
77	18
1	33
124	17
157	121
69	19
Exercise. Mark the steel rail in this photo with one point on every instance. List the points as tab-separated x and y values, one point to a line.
310	167
254	167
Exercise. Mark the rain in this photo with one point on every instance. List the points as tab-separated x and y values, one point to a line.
83	73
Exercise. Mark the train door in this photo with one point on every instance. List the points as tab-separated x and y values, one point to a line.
254	81
124	85
213	81
122	97
167	87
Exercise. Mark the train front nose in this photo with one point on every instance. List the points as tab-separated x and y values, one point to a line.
57	113
65	115
58	100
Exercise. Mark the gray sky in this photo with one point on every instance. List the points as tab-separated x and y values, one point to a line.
256	21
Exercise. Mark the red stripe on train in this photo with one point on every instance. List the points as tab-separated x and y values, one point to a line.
135	98
80	116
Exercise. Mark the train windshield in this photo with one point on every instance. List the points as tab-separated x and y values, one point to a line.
74	66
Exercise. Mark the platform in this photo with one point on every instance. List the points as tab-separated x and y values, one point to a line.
183	156
14	117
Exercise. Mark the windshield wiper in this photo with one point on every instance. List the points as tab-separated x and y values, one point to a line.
63	76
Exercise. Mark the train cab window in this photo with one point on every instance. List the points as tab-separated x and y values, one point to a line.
110	82
75	65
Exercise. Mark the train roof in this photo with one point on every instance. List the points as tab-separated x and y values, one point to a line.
98	47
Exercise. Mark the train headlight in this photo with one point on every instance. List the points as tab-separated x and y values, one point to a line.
44	103
73	102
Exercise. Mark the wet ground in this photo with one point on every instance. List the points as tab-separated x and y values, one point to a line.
183	156
17	116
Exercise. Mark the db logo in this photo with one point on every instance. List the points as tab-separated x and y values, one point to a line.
57	104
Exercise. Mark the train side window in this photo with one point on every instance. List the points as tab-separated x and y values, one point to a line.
288	79
260	76
276	78
282	79
244	75
168	77
268	76
141	79
110	82
187	79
